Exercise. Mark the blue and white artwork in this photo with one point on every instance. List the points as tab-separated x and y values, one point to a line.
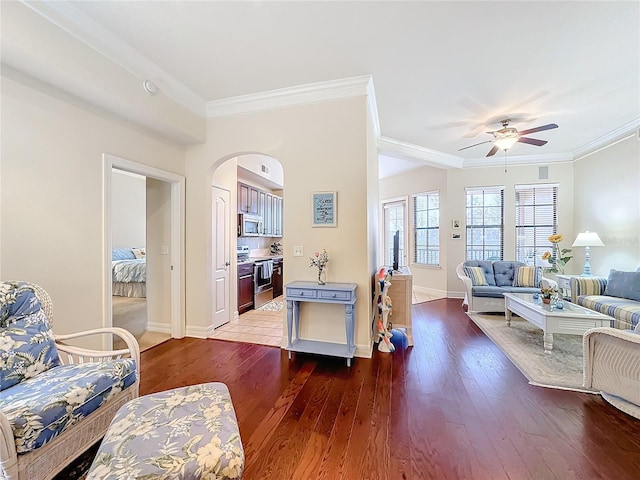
324	209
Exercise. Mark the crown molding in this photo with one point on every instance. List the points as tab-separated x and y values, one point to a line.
434	158
608	139
84	28
291	96
499	160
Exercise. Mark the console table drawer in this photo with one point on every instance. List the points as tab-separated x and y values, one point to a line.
334	295
301	293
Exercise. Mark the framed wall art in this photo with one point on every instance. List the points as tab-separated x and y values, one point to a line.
324	209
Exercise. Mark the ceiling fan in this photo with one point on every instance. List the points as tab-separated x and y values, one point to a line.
506	137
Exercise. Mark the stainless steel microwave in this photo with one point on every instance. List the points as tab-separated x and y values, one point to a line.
249	225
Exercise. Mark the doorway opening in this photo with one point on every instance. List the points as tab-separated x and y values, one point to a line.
143	219
246	261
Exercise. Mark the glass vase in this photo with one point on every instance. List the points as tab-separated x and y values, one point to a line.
322	276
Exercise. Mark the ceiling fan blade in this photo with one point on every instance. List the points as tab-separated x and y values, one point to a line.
532	141
475	145
493	151
539	129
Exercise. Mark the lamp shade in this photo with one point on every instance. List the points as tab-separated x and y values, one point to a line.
588	239
506	142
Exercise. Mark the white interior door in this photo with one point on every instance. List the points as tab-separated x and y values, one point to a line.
221	256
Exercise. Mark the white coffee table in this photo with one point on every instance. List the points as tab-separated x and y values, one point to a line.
571	320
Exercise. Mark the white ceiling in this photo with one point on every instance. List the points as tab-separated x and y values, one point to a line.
444	72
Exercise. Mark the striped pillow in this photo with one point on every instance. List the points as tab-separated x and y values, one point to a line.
476	274
526	277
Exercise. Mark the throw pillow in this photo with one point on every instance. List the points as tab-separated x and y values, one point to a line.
526	276
476	274
139	252
623	285
27	345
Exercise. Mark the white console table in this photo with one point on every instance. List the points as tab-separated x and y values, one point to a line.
342	293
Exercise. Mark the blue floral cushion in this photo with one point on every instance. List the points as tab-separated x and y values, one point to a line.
41	408
185	433
27	345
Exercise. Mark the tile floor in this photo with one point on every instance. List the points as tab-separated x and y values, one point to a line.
265	326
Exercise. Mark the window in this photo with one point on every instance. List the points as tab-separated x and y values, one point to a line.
394	219
485	227
426	234
536	221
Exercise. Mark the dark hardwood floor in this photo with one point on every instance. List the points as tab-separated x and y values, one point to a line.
451	407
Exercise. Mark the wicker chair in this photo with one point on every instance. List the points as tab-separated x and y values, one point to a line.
46	461
612	366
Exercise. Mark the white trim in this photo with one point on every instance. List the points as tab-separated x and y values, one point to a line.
177	236
200	332
608	139
390	147
69	18
159	327
373	107
290	96
498	160
432	292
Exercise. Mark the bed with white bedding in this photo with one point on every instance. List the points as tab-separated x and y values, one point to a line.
129	272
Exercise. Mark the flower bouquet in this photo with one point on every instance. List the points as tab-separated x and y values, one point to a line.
547	294
320	260
558	257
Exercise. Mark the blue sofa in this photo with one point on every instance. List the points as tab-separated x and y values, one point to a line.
499	276
617	296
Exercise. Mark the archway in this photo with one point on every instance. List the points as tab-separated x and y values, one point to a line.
264	176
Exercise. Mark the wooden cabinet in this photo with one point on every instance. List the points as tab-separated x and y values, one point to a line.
400	292
266	205
248	199
277	216
276	279
245	287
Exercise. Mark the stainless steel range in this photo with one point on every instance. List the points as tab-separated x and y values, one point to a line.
262	282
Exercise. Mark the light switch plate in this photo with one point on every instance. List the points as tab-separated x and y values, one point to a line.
298	251
164	250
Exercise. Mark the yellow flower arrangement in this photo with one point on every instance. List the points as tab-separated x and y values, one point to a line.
558	257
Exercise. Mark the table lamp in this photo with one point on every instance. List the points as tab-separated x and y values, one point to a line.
587	240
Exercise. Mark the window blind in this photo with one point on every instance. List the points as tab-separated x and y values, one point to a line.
426	228
536	220
485	223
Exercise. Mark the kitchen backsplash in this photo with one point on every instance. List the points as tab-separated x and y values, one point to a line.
258	243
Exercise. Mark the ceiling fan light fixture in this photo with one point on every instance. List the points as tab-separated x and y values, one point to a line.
506	142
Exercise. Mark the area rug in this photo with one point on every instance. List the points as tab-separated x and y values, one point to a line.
523	344
272	306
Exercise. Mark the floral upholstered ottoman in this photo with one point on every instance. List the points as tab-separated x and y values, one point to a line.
185	433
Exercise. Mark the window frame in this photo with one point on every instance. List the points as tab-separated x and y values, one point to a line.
428	247
470	226
541	241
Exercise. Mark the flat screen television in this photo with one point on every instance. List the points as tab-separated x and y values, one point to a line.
396	250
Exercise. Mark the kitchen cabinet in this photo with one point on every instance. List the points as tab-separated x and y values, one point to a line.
247	199
276	279
267	219
267	206
245	287
277	216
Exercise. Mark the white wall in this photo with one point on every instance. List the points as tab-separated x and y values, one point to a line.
421	180
129	210
158	222
607	201
51	194
322	147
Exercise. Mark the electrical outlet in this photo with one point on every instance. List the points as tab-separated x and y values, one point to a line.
298	251
164	250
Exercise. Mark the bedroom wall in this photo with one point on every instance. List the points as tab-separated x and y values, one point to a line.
322	147
129	210
51	193
607	201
